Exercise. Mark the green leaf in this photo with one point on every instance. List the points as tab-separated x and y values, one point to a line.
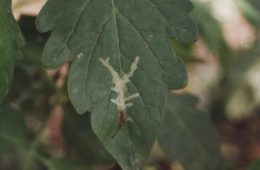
188	136
10	40
87	33
12	129
80	139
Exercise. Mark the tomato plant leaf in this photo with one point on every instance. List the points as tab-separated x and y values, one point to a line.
122	64
188	136
10	40
12	129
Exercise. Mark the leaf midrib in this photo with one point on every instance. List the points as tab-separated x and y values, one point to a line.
116	11
115	24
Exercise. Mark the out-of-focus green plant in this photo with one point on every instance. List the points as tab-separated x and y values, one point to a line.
250	10
211	33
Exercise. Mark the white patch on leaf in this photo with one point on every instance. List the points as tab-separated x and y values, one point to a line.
122	100
80	55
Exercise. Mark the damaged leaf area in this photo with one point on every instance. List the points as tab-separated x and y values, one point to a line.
120	85
121	89
125	94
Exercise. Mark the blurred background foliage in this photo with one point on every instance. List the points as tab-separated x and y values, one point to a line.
224	72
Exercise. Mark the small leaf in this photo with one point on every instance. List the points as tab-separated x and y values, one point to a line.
10	40
121	57
188	136
12	129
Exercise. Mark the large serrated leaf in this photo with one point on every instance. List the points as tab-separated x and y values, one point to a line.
10	40
188	136
87	32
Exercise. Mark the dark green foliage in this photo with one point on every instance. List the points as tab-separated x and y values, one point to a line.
12	129
187	135
81	139
10	40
